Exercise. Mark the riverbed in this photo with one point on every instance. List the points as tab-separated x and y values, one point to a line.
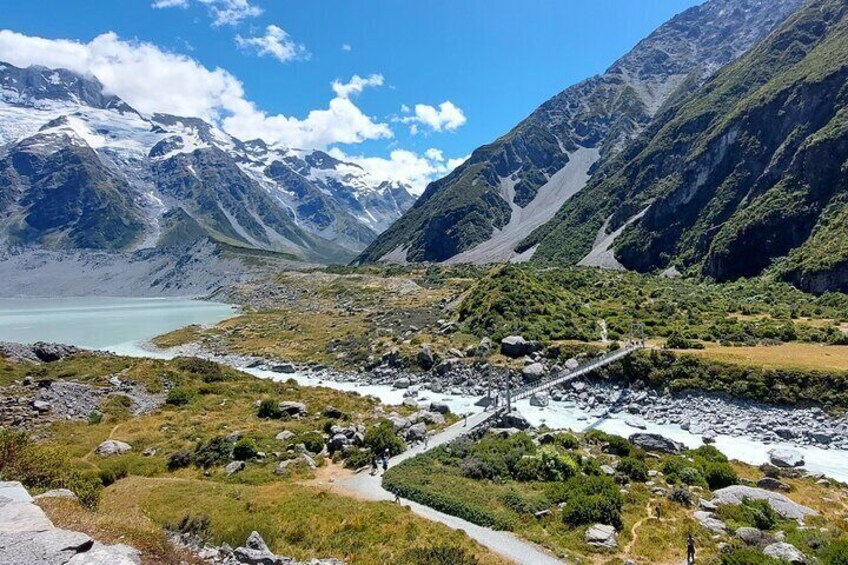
125	326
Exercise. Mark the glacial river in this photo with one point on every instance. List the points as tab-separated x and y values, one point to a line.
123	326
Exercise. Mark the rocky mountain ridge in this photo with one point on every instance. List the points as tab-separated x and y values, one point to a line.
483	210
81	169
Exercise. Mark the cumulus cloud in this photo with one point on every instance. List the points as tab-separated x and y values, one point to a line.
405	166
223	12
275	43
356	85
446	117
153	80
346	47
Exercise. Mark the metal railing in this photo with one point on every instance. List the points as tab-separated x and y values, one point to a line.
566	376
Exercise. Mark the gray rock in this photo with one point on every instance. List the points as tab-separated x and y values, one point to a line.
781	504
426	359
402	383
293	409
786	458
785	552
338	442
286	368
50	547
656	442
113	447
539	399
57	493
572	364
601	535
514	420
516	346
533	372
751	536
433	418
417	432
710	522
41	405
439	407
770	483
234	467
332	412
119	554
256	552
285	435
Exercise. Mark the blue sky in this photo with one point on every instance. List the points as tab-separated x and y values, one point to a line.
492	61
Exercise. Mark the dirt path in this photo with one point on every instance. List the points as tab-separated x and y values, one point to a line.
634	530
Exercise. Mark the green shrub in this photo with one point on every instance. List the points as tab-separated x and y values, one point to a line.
634	469
584	509
677	341
530	469
178	396
95	417
381	437
199	526
557	466
112	471
836	553
719	475
754	513
521	503
748	556
209	371
269	409
213	452
313	441
357	458
179	460
681	496
441	555
616	445
691	476
567	441
244	449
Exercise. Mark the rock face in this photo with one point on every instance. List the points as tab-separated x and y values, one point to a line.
483	211
786	458
786	507
39	352
28	537
602	536
709	521
656	442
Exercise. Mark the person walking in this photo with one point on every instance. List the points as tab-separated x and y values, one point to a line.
690	550
386	460
465	421
374	467
426	441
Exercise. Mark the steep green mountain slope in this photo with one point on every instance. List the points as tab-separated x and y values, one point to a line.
743	171
591	120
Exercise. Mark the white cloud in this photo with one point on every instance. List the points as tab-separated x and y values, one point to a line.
356	85
275	43
405	166
223	12
153	80
346	47
447	116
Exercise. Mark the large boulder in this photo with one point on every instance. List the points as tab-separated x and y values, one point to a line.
432	418
417	432
786	507
256	552
285	435
656	442
514	420
540	399
601	535
285	368
426	359
293	409
786	458
234	467
516	346
533	372
439	407
785	552
710	522
751	536
113	447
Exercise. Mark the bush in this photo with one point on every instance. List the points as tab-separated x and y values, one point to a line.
441	555
381	437
677	341
179	460
529	469
681	496
357	458
567	441
557	466
748	556
754	513
312	441
209	371
719	475
587	500
178	396
520	503
691	476
616	445
269	409
214	452
199	526
836	553
113	471
95	417
634	469
244	449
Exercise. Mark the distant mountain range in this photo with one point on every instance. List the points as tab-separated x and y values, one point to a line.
84	170
703	149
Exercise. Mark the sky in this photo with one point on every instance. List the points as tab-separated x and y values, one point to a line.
406	88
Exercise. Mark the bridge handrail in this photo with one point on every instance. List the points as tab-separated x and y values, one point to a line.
605	359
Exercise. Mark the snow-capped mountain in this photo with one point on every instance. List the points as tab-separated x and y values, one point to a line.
82	169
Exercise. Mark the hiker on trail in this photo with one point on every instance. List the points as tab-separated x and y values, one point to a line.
397	498
426	441
658	510
373	465
386	460
465	421
690	550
